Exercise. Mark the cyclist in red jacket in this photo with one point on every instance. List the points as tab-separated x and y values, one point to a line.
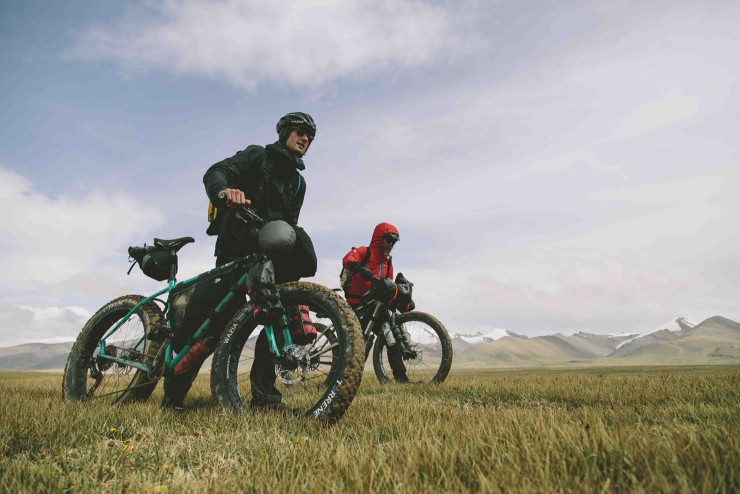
367	263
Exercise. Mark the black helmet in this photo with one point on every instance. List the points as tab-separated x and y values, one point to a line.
295	120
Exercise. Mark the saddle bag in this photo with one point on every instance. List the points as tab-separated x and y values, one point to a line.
155	262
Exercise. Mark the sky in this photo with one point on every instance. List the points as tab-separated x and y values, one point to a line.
551	166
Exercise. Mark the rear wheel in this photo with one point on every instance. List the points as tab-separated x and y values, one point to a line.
430	345
88	375
329	368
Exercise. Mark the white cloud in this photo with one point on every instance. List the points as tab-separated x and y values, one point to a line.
55	239
591	190
71	250
245	43
586	184
21	324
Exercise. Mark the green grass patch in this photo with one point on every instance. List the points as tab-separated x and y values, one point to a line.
641	429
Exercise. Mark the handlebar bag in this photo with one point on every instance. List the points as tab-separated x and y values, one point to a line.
403	301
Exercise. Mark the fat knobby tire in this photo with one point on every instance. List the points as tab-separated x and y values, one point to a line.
444	339
74	381
342	382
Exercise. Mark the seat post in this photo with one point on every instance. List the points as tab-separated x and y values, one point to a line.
173	266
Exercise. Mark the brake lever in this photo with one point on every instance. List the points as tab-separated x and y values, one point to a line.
248	215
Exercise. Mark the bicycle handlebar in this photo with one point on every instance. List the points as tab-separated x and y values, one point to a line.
248	215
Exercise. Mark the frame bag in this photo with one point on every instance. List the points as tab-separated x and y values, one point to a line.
191	303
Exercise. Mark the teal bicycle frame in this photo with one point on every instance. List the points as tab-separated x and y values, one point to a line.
170	361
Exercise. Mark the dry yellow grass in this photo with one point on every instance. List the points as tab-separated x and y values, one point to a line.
586	430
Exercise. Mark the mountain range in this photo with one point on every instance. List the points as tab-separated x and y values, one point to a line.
715	341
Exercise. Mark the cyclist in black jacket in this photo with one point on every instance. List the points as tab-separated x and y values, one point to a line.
268	179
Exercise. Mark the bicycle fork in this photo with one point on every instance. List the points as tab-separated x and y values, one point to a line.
285	356
398	335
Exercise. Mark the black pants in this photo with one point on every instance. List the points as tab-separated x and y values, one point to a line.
300	262
262	377
176	387
395	359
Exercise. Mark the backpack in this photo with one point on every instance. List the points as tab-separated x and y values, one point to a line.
215	219
345	276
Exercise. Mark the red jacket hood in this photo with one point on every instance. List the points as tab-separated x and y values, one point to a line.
381	230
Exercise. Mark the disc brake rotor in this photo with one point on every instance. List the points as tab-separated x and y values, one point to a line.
292	376
417	359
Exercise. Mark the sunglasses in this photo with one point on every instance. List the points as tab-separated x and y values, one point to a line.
303	132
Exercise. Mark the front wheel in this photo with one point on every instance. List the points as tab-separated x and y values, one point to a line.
431	347
88	375
328	371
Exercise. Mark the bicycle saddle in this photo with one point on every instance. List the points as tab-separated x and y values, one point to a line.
174	244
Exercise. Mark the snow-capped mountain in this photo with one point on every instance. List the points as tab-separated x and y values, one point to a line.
674	326
486	336
715	341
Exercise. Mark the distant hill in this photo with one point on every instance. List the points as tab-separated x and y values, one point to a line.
35	356
714	341
463	341
554	349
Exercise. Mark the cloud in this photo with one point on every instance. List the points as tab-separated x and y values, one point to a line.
572	181
63	257
637	100
21	324
303	44
591	190
51	240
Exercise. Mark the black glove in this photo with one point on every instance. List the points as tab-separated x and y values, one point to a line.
363	271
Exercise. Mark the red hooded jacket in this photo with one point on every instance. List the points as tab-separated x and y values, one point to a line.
379	266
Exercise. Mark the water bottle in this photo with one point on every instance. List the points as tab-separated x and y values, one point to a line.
198	352
390	340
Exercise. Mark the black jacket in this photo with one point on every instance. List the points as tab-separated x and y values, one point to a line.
269	178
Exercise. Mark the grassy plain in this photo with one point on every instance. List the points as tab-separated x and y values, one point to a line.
649	429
